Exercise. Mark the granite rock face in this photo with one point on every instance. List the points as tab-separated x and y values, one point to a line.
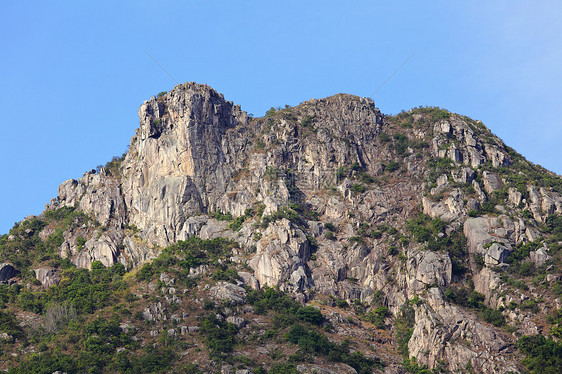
47	276
323	192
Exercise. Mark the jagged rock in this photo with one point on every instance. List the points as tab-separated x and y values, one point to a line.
249	280
280	256
488	283
167	279
97	194
44	234
439	333
47	276
198	271
448	209
238	321
515	197
463	175
228	292
472	205
496	254
7	271
104	249
540	256
196	153
127	328
491	182
155	312
429	268
193	329
497	157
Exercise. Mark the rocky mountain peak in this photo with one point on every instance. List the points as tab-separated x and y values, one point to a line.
425	213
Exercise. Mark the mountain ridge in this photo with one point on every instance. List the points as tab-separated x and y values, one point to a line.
426	214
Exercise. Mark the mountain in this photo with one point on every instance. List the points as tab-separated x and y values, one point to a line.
325	237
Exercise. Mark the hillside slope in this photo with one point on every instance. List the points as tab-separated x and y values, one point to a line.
421	238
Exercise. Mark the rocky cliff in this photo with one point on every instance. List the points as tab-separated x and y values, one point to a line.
425	212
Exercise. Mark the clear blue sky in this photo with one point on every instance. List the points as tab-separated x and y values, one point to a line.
74	74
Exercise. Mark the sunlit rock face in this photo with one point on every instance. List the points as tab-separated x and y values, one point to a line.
319	197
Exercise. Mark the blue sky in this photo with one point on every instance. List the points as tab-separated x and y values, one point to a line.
74	74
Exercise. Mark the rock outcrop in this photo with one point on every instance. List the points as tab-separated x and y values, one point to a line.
318	197
7	272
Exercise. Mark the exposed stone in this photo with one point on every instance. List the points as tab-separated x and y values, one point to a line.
249	280
193	329
228	292
167	279
440	330
155	312
496	254
515	197
491	182
463	175
429	268
47	276
238	321
540	256
196	153
7	271
127	328
278	261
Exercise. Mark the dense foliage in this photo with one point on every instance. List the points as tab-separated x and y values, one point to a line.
543	355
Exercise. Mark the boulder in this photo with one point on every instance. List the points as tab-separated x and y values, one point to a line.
7	271
540	256
491	182
47	276
228	292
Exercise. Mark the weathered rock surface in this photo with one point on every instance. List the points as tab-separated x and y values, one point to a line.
229	292
441	333
322	193
47	276
7	271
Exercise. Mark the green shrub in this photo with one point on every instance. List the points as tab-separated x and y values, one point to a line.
313	342
46	363
384	137
478	260
9	325
366	178
357	188
493	316
378	316
219	335
310	314
278	368
542	355
392	166
432	232
330	226
404	325
342	172
220	216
